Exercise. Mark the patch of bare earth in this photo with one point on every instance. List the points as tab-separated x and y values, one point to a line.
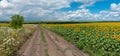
33	46
48	43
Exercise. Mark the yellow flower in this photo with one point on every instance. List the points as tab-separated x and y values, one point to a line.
118	29
13	33
113	30
113	36
83	31
89	34
77	29
106	30
97	35
106	35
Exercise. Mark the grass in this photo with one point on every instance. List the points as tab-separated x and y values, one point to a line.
43	37
46	51
44	40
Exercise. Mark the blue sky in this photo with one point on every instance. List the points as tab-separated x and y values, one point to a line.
104	5
95	8
61	10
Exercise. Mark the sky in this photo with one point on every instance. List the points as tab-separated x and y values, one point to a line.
61	10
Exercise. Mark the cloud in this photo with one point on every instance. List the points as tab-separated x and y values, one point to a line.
46	4
115	7
84	14
80	13
32	8
40	9
87	3
47	10
115	14
5	4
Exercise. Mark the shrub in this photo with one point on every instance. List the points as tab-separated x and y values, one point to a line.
16	21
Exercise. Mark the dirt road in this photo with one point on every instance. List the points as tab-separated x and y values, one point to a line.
48	43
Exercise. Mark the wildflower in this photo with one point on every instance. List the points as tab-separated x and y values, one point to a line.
13	33
106	30
113	30
113	36
106	35
97	35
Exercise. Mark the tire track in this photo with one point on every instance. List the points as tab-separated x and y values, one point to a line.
47	43
53	50
33	46
65	47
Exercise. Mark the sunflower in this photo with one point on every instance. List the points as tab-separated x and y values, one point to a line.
106	35
97	35
83	31
113	36
76	29
106	30
118	29
89	34
113	30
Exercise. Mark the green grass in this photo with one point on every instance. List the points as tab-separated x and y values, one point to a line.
45	42
46	51
43	37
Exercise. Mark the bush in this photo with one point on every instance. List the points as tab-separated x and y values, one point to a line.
17	21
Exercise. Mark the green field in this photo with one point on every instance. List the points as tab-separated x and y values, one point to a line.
97	39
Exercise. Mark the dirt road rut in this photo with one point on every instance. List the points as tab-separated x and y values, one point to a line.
47	43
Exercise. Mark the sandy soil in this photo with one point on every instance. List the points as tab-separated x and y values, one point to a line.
53	45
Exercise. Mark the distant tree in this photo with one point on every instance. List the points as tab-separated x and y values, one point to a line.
16	21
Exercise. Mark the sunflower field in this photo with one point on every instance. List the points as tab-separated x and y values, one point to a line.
4	24
96	39
12	39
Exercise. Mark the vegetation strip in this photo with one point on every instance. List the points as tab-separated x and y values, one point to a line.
45	43
46	51
43	37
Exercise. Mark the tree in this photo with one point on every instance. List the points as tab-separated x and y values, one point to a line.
16	21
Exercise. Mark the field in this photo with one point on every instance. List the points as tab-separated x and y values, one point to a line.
97	39
86	39
4	24
11	39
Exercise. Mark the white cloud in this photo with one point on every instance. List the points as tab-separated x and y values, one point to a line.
0	13
40	8
80	13
85	14
115	7
87	3
47	4
115	14
5	4
37	8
